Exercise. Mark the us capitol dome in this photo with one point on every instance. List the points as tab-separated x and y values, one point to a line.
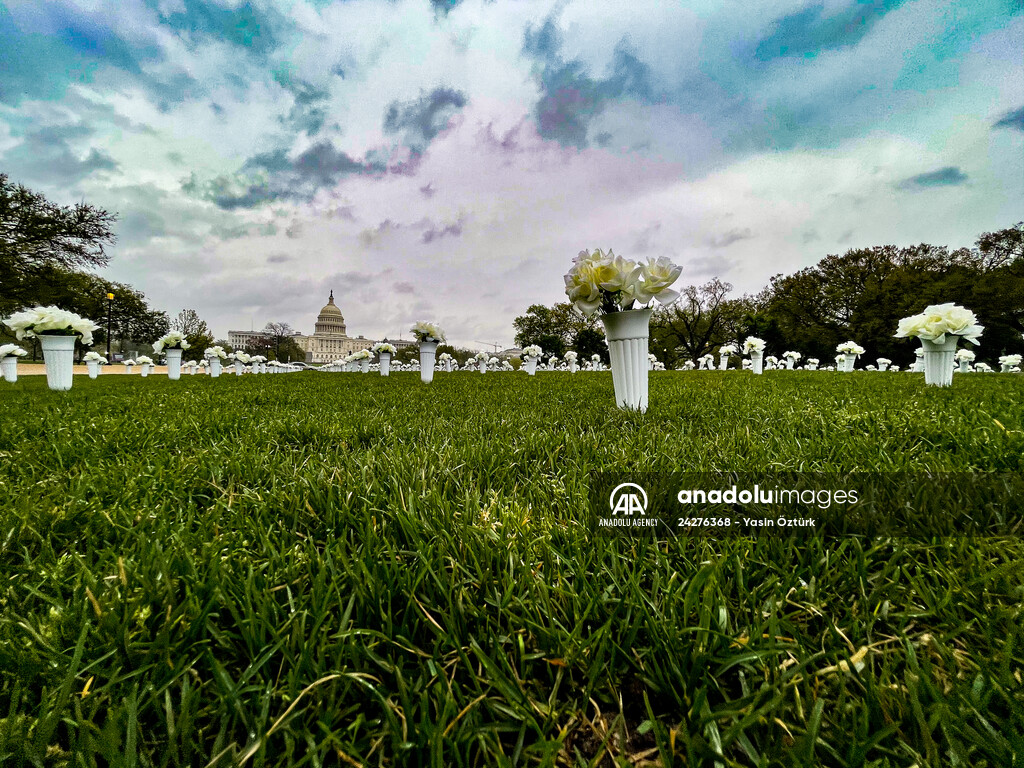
330	339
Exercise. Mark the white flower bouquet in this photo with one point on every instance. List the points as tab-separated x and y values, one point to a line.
13	350
794	356
571	356
362	354
752	344
89	357
427	332
480	357
1009	362
604	282
128	363
727	349
850	348
840	358
50	321
216	351
144	360
171	340
533	350
964	354
382	347
939	320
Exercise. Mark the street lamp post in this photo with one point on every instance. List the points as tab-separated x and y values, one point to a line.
110	299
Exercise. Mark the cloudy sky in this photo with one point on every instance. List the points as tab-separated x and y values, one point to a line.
446	159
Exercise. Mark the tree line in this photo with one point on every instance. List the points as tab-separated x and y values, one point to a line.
859	295
46	254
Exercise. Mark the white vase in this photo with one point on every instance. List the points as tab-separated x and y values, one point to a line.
173	364
572	367
938	361
9	368
144	371
128	369
965	366
812	366
723	362
482	365
215	367
364	366
238	368
848	363
627	334
789	364
192	370
530	366
93	367
59	356
428	349
385	363
757	362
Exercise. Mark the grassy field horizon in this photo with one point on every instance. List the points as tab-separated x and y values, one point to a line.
340	569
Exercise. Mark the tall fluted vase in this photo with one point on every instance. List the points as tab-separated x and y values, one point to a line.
385	363
173	364
530	366
757	362
93	368
938	361
627	334
428	350
723	362
59	356
215	367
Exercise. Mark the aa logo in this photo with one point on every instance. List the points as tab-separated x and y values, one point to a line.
628	499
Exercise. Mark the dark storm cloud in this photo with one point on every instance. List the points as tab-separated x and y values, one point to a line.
725	239
47	156
433	230
570	96
309	111
420	120
950	176
1014	119
274	175
809	31
257	29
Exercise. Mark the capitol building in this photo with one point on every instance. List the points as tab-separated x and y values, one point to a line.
330	340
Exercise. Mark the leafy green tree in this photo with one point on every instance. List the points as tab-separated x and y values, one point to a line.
697	322
197	333
38	237
557	329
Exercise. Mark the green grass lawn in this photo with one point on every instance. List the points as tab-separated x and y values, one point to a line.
339	569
